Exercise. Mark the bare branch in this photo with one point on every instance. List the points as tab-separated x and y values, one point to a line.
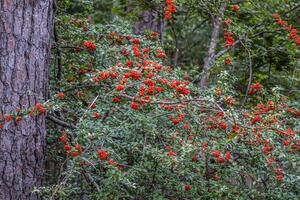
60	122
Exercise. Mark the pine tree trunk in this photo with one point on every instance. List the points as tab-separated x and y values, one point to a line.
25	38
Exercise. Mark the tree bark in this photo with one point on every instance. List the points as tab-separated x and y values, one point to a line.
25	40
151	20
217	22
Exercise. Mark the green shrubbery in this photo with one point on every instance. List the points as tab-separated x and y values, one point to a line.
141	130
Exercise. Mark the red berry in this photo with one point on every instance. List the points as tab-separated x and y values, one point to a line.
96	115
113	74
120	87
171	154
227	61
194	159
78	147
187	188
116	100
134	105
220	160
67	147
228	156
216	153
89	45
93	105
73	153
279	178
63	138
61	95
235	8
103	155
8	118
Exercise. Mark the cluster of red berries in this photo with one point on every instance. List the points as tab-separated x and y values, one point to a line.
229	40
178	119
228	36
153	36
104	156
255	88
134	105
72	151
38	109
170	152
230	101
219	158
60	95
170	8
228	60
217	122
138	67
279	174
293	32
264	109
256	119
90	45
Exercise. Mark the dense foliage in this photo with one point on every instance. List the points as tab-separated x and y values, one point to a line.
126	116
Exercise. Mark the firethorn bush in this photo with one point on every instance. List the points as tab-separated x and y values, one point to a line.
136	128
123	123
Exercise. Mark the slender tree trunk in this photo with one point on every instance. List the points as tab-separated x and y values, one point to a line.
217	22
25	38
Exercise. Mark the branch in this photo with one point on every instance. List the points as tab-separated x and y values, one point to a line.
60	122
221	53
90	179
291	10
166	102
58	56
214	57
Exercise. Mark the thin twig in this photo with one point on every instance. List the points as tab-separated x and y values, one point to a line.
250	74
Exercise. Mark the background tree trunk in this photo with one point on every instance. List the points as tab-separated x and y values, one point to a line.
25	38
217	22
151	20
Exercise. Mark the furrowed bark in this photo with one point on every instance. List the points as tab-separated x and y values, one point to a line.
25	38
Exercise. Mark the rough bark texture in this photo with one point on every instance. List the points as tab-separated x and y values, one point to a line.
150	20
25	38
217	22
